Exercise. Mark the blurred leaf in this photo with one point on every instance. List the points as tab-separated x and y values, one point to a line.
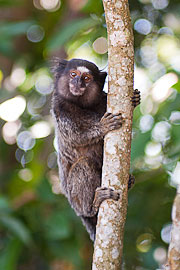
4	205
44	191
66	249
93	6
6	48
9	2
57	227
177	86
68	31
9	256
16	227
138	144
13	29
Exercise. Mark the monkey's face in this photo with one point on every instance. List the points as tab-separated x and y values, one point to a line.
79	79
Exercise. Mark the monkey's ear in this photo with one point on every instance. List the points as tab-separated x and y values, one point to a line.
58	66
102	78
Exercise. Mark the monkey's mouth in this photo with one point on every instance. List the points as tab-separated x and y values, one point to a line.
76	91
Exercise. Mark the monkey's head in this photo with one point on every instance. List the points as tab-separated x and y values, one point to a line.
79	81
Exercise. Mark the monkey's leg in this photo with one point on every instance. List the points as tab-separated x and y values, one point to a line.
83	179
136	98
101	194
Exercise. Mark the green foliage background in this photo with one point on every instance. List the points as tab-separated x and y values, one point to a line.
38	229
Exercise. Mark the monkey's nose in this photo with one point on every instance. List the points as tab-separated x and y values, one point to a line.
77	79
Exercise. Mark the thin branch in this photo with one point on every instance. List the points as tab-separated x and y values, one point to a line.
174	247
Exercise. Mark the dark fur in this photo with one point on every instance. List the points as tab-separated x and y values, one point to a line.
80	129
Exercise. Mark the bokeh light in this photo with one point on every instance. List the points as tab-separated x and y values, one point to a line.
167	47
175	117
160	4
165	31
18	76
153	149
147	106
24	157
172	21
44	84
55	182
37	4
146	122
50	5
9	131
148	55
52	160
143	26
156	71
162	88
35	103
160	255
25	140
25	174
153	162
35	33
40	129
100	45
12	109
161	131
166	233
175	176
142	81
55	143
143	242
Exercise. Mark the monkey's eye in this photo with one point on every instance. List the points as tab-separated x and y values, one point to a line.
73	74
87	78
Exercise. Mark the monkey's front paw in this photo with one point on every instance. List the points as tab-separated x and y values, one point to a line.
136	98
111	122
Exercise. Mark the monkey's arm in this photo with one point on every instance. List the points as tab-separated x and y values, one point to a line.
82	127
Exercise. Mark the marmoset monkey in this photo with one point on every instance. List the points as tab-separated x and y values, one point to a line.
79	110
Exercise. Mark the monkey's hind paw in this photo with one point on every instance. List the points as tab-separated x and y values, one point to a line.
104	193
136	98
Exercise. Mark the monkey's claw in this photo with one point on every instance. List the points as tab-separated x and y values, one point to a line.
136	98
131	181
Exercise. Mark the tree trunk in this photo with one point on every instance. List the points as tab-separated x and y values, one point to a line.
117	145
174	246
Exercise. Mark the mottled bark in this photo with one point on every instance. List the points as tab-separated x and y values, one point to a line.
112	215
174	246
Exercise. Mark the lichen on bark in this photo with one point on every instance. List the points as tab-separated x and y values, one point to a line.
116	164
